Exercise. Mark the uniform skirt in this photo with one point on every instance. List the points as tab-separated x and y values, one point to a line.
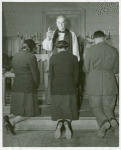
24	100
64	107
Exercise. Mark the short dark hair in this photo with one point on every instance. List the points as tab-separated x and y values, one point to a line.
99	33
62	44
30	43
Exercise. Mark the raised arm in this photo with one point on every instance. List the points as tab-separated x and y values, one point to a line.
47	43
34	70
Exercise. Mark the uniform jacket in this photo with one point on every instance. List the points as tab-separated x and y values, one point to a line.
63	71
101	63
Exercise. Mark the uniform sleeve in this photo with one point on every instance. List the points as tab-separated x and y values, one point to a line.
86	65
51	70
76	70
116	64
34	70
75	45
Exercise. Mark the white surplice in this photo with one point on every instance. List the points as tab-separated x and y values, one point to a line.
47	45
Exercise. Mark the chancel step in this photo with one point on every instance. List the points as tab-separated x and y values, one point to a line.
45	123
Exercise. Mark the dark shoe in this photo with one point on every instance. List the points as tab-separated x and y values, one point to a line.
105	126
57	133
9	129
115	126
5	119
68	133
8	126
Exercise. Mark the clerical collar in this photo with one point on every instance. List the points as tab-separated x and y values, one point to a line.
61	31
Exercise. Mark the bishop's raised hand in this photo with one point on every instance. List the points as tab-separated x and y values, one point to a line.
49	34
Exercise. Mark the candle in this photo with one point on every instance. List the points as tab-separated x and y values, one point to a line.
104	32
18	33
26	36
114	33
90	34
35	33
29	37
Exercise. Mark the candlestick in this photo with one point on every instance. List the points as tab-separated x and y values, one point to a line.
35	33
109	34
21	36
26	36
40	37
90	39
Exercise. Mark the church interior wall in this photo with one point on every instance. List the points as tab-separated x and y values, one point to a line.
26	18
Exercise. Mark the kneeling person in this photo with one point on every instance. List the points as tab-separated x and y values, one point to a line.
101	62
63	71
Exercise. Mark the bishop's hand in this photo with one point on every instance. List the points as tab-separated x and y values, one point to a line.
49	34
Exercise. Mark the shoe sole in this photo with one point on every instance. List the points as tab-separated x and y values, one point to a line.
68	133
57	133
114	124
8	131
102	131
107	125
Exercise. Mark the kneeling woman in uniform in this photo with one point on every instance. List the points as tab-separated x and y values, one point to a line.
63	71
24	102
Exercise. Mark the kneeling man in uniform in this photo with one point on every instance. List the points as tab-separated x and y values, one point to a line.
101	63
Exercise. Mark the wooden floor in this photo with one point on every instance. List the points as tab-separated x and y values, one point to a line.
81	138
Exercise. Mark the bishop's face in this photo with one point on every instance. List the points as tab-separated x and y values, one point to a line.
61	24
